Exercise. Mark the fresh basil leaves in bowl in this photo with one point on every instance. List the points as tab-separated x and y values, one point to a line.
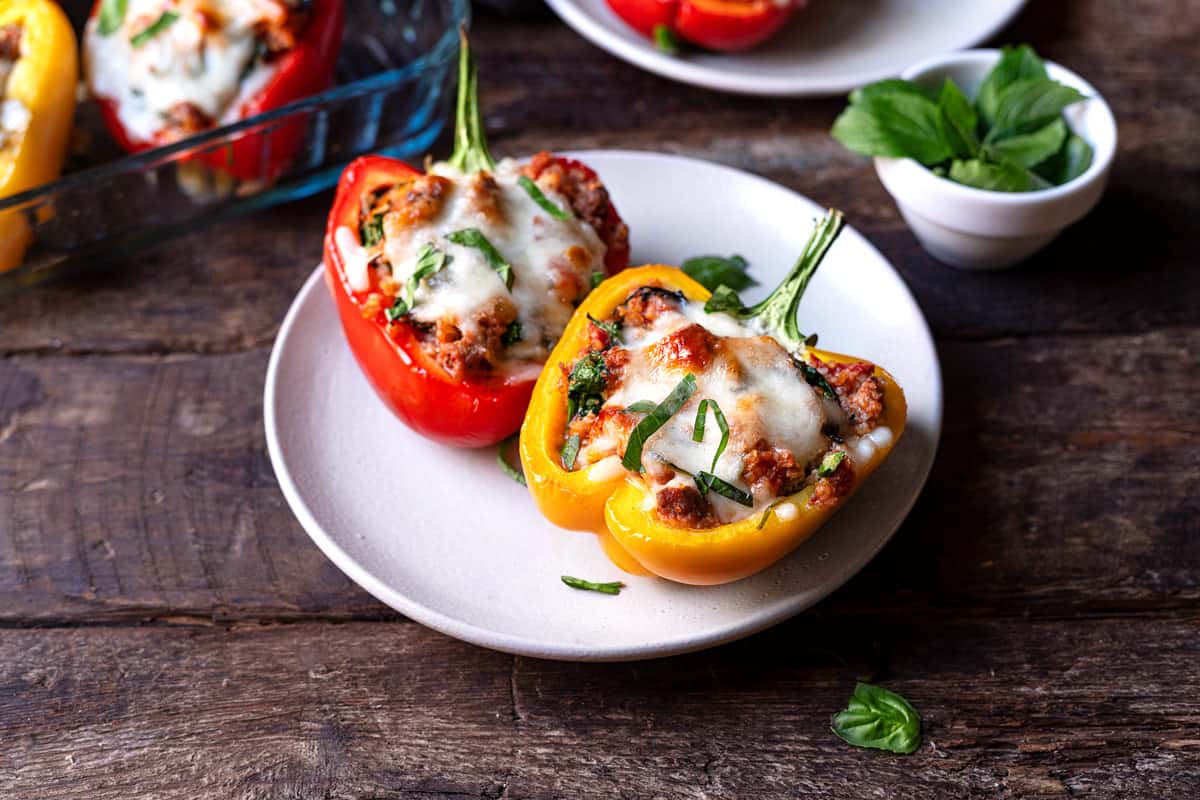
989	154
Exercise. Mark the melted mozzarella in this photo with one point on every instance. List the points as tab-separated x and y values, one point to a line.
14	120
187	62
530	240
354	258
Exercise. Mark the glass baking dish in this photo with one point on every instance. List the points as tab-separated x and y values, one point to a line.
392	95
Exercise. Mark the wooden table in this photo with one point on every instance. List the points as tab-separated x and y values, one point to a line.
167	630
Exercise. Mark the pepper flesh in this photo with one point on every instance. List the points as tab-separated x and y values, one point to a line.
43	81
595	499
302	71
723	25
475	412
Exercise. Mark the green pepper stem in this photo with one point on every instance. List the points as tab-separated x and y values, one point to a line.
470	146
777	313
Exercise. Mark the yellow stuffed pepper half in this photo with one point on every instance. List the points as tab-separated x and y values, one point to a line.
706	437
38	73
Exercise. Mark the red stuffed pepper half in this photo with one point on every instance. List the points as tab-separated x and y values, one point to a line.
454	284
726	25
163	70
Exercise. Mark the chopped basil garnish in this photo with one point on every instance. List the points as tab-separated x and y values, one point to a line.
613	587
706	481
698	433
641	407
712	272
512	334
830	463
879	719
724	300
570	451
665	40
632	460
766	515
597	278
585	385
814	378
535	193
164	21
613	329
430	260
371	231
471	237
112	14
507	468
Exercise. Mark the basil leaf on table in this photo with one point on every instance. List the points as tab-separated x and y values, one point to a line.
879	719
1030	104
1015	64
896	125
1068	163
959	120
1029	149
713	271
995	177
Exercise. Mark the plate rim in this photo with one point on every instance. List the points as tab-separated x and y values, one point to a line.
556	650
707	77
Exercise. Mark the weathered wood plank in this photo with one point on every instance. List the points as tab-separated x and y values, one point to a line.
139	486
1011	709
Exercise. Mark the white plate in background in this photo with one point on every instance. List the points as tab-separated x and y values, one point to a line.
443	536
830	47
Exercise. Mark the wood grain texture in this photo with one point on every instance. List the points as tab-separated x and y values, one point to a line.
1011	709
139	487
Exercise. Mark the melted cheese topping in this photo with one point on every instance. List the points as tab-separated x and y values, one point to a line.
546	281
14	116
758	388
207	57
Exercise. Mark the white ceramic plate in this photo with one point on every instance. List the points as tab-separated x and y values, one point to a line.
830	47
442	536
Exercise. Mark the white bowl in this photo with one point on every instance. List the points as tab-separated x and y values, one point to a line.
979	229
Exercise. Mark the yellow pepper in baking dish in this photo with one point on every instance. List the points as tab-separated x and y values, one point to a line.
600	454
38	73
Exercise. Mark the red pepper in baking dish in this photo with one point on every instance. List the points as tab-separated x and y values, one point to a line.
472	411
726	25
303	69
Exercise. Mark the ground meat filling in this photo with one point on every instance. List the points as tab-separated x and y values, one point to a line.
186	119
768	470
588	197
859	392
10	42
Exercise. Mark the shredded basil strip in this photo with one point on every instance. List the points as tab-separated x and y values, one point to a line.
112	14
597	278
698	427
430	261
371	231
665	41
814	378
766	515
585	385
724	427
507	468
546	203
641	407
632	460
471	237
830	463
611	328
570	451
164	21
706	481
512	334
614	587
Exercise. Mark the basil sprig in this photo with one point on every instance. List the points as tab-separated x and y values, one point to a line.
430	261
649	424
613	587
879	719
111	16
536	195
712	272
1013	138
473	237
164	21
